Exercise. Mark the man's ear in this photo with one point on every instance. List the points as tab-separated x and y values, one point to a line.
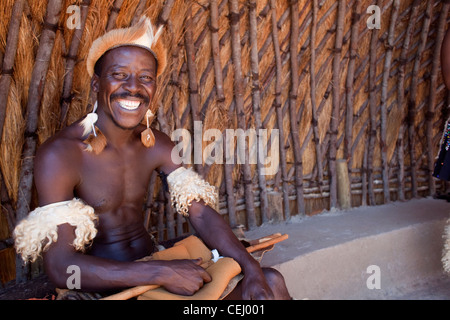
95	83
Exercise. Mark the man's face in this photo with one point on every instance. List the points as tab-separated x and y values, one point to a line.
126	84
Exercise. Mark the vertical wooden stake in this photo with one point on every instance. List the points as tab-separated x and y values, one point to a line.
239	100
256	99
293	108
336	94
343	184
35	93
278	107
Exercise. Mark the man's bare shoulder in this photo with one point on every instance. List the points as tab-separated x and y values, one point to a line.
64	144
61	153
162	151
162	140
57	165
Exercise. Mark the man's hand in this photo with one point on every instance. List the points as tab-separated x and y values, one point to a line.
184	277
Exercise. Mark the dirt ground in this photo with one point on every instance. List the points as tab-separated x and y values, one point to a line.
38	288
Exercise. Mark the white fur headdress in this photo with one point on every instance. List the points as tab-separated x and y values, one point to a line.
142	34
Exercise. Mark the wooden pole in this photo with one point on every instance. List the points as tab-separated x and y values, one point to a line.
334	125
170	216
348	154
343	184
114	12
293	97
384	93
401	94
411	115
312	73
5	84
138	11
239	100
165	12
194	98
279	112
372	112
9	58
432	95
256	102
35	94
71	61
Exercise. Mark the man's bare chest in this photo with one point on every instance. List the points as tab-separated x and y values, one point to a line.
113	182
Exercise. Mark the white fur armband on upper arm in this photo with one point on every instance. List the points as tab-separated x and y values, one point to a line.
34	234
186	185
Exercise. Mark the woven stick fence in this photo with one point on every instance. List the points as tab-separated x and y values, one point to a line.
349	90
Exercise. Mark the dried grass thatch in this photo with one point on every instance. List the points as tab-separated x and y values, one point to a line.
333	87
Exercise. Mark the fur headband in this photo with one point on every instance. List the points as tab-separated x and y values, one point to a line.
142	35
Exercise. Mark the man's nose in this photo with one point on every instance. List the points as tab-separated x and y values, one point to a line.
132	84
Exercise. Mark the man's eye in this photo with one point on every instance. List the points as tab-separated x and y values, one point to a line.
119	75
146	78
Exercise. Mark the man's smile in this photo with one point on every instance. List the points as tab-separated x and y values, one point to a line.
129	104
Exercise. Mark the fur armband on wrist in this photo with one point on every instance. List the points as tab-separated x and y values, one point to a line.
186	185
33	235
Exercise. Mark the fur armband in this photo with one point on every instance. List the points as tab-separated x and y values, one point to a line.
34	234
186	185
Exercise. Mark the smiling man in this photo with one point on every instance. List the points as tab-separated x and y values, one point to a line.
92	179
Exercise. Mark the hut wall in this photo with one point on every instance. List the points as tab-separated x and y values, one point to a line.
315	74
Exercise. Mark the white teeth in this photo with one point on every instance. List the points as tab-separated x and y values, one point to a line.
129	105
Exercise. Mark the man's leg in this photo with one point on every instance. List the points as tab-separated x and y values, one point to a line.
276	282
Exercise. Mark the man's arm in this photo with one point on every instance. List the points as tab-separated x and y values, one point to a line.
56	176
217	234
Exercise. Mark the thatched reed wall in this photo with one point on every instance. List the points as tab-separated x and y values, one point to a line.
334	88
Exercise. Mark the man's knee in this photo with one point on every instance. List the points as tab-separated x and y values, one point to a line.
276	282
273	276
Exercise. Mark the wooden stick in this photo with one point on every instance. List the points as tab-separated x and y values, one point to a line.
165	12
71	61
432	95
334	125
401	93
264	244
239	100
278	107
215	50
7	204
348	154
384	93
411	116
256	102
5	83
35	94
170	216
114	12
218	74
312	71
372	111
9	58
293	107
194	98
138	11
175	80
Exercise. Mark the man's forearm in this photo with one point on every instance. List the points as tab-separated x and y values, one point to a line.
100	274
217	234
